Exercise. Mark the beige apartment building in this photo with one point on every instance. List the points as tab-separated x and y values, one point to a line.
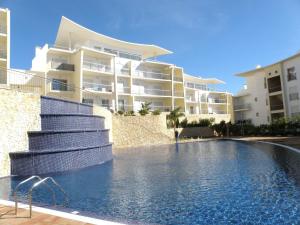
89	67
4	44
271	92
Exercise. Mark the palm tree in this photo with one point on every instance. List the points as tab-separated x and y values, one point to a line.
173	118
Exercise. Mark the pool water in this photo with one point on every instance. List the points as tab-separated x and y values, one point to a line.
213	182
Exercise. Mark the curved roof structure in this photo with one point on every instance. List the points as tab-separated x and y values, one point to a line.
69	30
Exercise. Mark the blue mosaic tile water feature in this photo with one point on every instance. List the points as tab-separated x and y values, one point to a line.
214	182
71	138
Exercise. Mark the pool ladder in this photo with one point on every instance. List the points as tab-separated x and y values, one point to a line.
36	185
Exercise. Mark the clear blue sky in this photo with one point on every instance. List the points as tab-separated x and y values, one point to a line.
208	37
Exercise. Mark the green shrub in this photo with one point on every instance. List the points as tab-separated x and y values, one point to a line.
156	112
120	112
184	123
145	108
129	113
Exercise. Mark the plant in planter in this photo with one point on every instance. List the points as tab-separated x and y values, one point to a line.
129	113
156	112
145	108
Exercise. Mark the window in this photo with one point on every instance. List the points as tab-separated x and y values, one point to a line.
121	103
88	101
295	110
270	74
59	85
293	93
105	103
276	71
268	118
267	102
265	82
111	51
255	99
291	74
257	114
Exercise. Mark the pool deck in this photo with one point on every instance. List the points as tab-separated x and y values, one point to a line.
43	216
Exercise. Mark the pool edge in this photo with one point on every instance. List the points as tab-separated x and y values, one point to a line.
61	214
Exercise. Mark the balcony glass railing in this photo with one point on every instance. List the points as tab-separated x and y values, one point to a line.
196	86
178	93
242	107
3	54
152	75
179	79
216	100
124	90
125	71
158	92
276	107
161	108
274	88
97	87
3	29
97	67
125	108
190	99
57	65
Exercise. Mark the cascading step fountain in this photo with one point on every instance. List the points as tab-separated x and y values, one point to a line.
71	138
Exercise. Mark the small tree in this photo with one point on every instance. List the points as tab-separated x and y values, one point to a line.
145	108
173	118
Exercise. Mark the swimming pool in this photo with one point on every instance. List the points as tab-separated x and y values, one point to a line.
213	182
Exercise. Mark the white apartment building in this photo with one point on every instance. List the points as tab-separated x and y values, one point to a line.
93	68
4	44
270	92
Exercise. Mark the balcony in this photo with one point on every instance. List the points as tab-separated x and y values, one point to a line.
125	71
152	75
276	107
190	99
161	108
123	90
3	54
125	108
242	107
97	87
218	112
157	92
196	86
3	29
57	65
178	93
274	89
178	79
217	100
99	67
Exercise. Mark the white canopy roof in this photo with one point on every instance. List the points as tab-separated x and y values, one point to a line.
69	30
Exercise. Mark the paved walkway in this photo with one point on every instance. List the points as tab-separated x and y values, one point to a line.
37	218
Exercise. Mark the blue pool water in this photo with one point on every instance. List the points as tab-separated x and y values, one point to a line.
214	182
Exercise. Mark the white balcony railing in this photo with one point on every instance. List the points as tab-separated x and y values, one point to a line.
196	86
97	67
152	75
3	54
179	79
97	87
158	92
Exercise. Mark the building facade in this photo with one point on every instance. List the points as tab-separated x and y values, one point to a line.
4	44
89	67
271	92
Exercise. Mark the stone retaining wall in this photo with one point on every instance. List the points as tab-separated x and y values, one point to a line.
19	113
131	131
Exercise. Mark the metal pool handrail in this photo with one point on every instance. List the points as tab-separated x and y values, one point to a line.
16	189
35	185
53	193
